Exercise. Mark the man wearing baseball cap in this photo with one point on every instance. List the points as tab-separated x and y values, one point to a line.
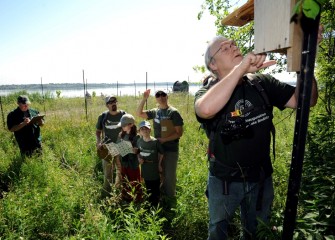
107	131
26	129
168	128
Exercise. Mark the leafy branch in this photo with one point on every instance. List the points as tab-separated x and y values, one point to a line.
310	8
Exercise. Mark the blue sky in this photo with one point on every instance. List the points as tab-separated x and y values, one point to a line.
111	40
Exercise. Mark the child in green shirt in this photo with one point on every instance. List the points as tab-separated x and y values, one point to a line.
150	158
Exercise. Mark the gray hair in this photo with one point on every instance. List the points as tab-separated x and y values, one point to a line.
207	53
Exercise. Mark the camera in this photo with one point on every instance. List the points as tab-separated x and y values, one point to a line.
234	129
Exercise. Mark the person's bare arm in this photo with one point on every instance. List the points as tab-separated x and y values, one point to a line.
217	96
293	101
18	127
98	134
139	110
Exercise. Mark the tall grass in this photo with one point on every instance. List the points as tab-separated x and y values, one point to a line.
57	195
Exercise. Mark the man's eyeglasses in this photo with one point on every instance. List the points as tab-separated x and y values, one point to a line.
225	48
160	94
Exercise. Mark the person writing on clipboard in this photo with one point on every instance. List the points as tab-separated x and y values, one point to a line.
25	122
168	128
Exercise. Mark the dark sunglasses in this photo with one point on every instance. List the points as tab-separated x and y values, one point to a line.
160	94
112	102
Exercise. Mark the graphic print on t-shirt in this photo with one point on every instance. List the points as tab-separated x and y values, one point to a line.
241	104
111	125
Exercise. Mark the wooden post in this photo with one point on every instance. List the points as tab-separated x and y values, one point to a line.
188	93
45	112
3	116
85	95
146	87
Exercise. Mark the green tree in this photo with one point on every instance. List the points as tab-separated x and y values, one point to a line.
318	215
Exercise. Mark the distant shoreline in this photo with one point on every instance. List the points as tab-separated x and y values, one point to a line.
75	86
60	86
76	89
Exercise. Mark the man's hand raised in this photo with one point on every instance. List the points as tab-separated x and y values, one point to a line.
146	94
253	62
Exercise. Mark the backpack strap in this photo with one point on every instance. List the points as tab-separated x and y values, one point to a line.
254	81
104	117
105	114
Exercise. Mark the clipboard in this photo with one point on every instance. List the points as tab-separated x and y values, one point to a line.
167	128
121	148
35	119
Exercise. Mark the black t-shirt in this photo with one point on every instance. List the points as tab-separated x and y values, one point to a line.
108	123
28	137
249	148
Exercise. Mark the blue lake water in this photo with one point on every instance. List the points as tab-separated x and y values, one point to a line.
121	90
118	90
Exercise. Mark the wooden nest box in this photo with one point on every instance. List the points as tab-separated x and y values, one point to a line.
273	30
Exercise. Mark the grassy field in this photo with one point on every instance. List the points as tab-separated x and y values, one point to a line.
57	196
